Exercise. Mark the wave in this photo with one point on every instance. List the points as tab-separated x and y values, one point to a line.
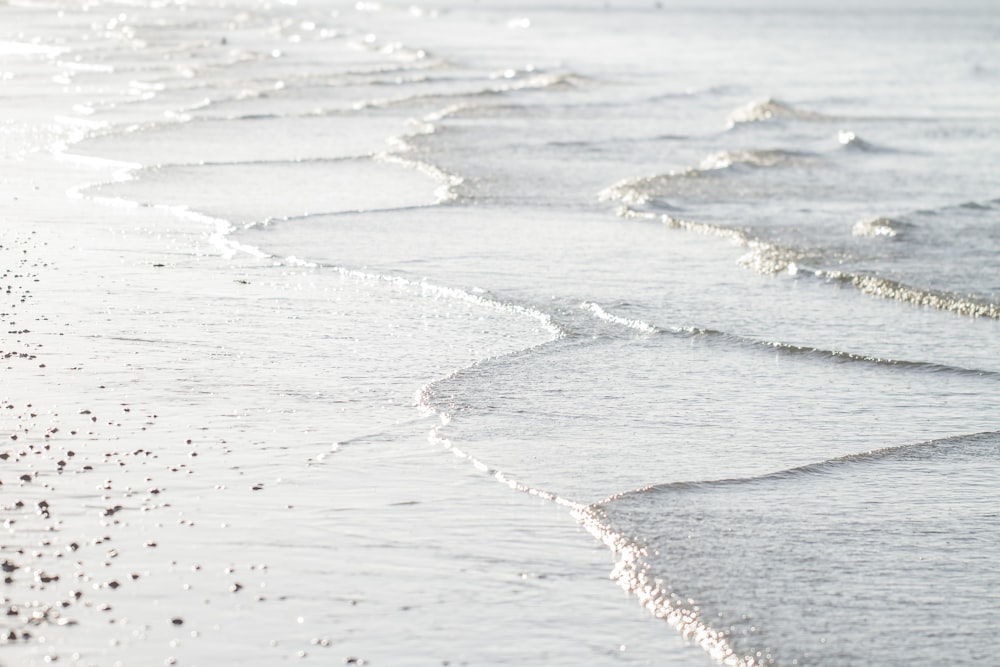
979	206
253	86
135	186
404	143
208	97
908	451
730	640
839	356
445	192
880	227
887	288
629	323
634	576
762	257
640	190
210	139
643	190
221	229
534	82
751	158
476	297
429	399
842	356
771	258
852	142
772	109
133	141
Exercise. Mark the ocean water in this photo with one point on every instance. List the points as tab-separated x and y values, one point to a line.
720	283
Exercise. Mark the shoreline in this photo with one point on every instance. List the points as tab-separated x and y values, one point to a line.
207	499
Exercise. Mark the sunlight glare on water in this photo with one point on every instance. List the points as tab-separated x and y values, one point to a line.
370	318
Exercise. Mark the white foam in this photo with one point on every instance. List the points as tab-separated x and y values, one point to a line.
638	325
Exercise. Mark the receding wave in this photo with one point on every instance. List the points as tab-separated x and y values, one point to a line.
242	193
442	291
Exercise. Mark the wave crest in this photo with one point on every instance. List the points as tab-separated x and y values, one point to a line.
770	109
852	142
642	190
888	288
751	158
880	227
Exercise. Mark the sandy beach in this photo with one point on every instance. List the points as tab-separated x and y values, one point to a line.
358	334
182	485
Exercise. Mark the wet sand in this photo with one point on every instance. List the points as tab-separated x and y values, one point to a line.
182	484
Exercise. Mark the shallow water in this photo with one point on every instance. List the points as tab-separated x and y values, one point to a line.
718	283
789	565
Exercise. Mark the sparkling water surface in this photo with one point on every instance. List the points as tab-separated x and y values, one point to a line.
719	282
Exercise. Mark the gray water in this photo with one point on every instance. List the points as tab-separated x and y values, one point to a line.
756	247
